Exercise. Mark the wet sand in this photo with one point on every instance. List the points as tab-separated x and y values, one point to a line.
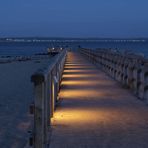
16	95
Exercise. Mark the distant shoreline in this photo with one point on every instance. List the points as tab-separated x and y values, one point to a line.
25	39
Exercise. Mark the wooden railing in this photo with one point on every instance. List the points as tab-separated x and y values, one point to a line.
129	69
46	88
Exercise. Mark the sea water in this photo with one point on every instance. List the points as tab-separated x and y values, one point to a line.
12	48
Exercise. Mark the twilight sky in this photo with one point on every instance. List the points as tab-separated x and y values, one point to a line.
74	18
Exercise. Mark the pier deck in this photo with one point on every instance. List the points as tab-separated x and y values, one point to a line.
95	111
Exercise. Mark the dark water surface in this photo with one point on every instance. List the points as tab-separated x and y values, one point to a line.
29	48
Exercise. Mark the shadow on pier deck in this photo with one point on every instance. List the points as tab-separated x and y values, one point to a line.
95	111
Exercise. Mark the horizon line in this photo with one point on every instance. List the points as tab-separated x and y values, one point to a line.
10	37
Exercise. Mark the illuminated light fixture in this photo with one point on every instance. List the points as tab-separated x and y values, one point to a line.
69	94
79	76
81	116
80	82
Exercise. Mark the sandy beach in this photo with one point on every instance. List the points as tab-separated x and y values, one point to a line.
16	95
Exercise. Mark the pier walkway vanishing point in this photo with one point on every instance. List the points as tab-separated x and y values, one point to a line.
94	111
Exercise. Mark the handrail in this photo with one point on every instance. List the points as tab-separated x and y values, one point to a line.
128	69
46	87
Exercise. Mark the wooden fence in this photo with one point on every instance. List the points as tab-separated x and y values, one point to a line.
46	87
131	70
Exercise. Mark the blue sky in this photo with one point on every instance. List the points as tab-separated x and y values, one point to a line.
74	18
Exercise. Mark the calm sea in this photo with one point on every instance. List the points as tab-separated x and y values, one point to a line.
30	48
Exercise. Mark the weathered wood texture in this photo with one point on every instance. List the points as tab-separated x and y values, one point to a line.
46	88
95	111
129	69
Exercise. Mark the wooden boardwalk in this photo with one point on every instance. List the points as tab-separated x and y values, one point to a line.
95	111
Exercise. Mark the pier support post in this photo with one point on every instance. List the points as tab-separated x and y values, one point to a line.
140	84
39	114
146	82
46	87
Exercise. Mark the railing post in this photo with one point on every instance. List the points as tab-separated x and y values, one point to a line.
140	80
129	69
39	93
46	87
146	82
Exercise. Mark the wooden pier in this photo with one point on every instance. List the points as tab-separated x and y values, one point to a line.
92	111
